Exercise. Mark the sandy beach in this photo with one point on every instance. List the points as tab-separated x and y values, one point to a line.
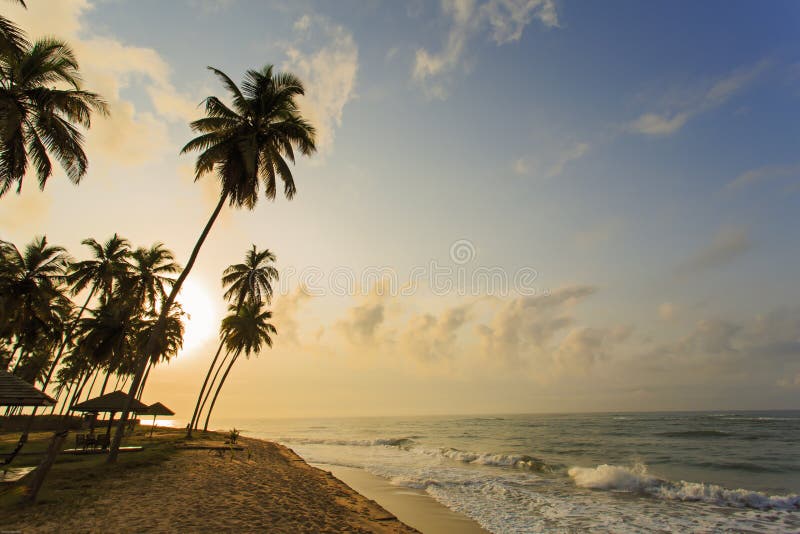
265	487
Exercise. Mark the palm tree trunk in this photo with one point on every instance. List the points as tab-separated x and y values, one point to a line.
159	326
197	407
67	337
11	358
66	397
219	388
89	393
77	394
144	381
105	382
19	360
210	387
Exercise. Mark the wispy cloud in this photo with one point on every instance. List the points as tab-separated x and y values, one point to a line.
325	56
727	245
552	166
505	19
760	174
129	135
669	121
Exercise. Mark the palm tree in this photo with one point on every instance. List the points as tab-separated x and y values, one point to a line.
31	292
243	145
150	272
245	330
106	268
41	106
12	38
251	279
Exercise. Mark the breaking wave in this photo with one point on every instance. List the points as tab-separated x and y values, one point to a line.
636	479
519	461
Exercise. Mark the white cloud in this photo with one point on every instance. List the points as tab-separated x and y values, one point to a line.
128	135
719	92
506	20
325	56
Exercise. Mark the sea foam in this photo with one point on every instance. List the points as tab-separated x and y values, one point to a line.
636	479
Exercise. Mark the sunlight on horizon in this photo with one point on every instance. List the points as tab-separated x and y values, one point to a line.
199	318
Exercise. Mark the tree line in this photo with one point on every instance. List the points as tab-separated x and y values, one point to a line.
129	319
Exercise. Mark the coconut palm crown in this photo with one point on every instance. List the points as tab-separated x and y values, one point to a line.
250	141
42	105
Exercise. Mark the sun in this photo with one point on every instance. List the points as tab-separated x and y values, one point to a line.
199	319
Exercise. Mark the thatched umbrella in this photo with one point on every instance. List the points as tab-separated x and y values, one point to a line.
155	410
110	403
16	392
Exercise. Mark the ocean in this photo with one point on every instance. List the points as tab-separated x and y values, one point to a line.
626	472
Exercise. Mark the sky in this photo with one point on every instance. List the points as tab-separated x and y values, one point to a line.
516	206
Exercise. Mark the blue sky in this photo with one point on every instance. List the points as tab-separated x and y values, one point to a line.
640	156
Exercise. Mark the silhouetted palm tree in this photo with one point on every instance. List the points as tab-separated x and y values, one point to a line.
41	105
32	301
150	275
245	330
242	146
12	38
249	280
102	272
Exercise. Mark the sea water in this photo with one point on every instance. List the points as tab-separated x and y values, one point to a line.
629	472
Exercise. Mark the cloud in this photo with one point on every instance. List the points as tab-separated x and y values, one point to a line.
719	92
582	348
325	56
363	322
555	166
727	245
508	18
654	124
128	136
522	329
429	338
506	21
768	342
285	312
760	174
667	311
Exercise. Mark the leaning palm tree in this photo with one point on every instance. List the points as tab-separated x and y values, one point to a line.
245	330
251	280
244	146
41	106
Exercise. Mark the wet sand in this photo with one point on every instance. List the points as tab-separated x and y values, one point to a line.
414	507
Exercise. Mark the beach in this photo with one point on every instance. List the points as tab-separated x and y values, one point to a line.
264	487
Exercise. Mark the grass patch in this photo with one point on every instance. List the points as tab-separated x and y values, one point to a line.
76	479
